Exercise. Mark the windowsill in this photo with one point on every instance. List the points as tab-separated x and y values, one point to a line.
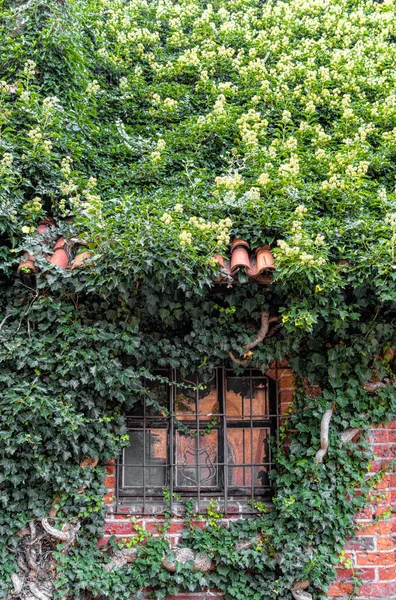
235	507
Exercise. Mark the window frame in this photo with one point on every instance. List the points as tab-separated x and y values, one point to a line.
141	497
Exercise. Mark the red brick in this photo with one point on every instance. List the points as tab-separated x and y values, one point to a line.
117	528
271	373
284	408
362	543
367	574
176	528
109	498
286	382
380	435
385	543
286	395
341	589
366	513
383	484
379	559
343	574
382	512
200	524
110	483
381	450
386	573
382	528
110	469
377	590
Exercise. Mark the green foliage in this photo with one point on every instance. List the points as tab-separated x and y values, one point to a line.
164	130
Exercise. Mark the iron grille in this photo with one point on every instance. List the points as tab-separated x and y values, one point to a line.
205	442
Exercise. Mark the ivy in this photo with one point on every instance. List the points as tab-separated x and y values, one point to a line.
156	133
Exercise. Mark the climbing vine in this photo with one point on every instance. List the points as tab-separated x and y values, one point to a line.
154	133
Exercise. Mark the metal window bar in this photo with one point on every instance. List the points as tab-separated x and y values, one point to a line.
128	497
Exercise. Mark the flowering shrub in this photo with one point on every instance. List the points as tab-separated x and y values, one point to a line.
157	132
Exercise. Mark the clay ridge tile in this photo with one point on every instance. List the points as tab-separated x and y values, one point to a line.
258	265
60	256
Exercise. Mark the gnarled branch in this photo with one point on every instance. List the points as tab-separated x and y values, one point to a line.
242	362
349	434
373	386
66	534
265	320
202	562
301	595
324	436
263	333
121	558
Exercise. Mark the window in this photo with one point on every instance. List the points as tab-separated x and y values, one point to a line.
200	441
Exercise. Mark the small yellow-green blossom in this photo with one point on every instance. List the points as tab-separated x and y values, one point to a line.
263	179
7	160
29	68
166	218
230	182
36	135
93	88
185	238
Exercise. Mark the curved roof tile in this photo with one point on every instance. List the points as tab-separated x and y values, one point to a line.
258	264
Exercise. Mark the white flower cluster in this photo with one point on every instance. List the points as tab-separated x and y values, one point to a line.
6	161
50	104
185	238
93	88
232	181
295	249
166	218
36	135
252	128
34	205
66	166
157	155
30	68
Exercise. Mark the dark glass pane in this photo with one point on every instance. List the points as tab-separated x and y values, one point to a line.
247	397
208	403
193	391
196	460
247	447
186	396
157	399
154	458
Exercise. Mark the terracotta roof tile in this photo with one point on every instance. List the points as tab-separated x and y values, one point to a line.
258	264
60	256
81	259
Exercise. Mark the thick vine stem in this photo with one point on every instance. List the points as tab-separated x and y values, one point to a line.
262	334
121	558
349	434
242	362
202	562
324	436
66	534
373	386
265	321
301	595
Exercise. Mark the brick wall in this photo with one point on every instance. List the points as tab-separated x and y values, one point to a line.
372	551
